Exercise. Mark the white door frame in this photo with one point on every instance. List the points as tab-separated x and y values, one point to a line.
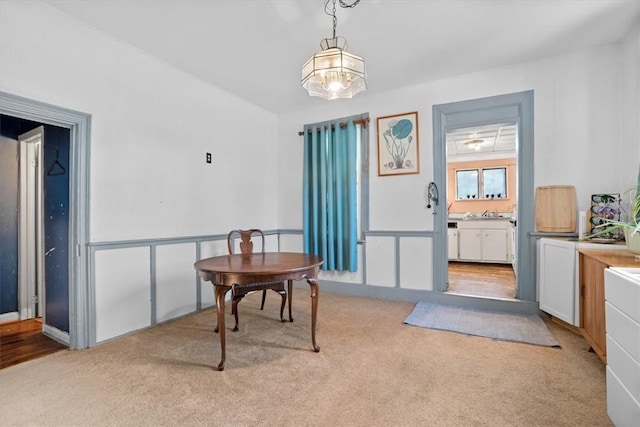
30	220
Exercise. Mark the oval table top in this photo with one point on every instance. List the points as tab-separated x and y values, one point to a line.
267	263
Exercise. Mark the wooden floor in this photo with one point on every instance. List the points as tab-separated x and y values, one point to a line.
22	341
482	280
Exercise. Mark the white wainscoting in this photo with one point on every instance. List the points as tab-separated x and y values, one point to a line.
176	290
416	263
137	284
122	291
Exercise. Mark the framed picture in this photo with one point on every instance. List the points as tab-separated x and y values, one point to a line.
398	144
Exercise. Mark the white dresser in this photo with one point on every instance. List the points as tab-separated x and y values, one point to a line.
622	315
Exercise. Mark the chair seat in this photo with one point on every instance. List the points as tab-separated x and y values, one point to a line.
251	287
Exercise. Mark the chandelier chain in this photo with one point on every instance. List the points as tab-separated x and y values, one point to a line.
343	4
335	20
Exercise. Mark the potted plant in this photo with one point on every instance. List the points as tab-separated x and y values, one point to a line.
630	227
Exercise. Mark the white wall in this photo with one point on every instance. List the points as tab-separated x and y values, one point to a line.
151	127
630	162
578	138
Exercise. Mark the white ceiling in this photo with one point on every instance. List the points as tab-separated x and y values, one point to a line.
498	140
255	48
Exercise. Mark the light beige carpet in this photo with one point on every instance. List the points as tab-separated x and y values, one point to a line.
372	370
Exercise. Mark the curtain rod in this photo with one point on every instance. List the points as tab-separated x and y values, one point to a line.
344	124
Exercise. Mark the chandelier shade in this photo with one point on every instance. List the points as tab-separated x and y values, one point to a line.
334	73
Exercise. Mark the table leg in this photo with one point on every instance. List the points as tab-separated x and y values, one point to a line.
220	292
313	284
289	295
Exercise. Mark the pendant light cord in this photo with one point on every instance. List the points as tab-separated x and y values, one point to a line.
343	4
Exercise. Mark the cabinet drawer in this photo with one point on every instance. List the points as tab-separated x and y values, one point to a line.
622	408
624	330
622	293
625	368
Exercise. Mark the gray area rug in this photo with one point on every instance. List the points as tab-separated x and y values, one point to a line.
526	328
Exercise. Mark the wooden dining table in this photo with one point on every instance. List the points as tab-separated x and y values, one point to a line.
225	271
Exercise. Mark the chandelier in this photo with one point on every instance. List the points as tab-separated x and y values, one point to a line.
334	73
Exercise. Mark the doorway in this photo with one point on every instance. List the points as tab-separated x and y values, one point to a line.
515	108
481	193
35	227
76	125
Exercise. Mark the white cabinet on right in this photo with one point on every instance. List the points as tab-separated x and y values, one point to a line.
494	245
557	279
558	289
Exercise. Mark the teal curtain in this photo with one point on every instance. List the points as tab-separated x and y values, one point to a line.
330	194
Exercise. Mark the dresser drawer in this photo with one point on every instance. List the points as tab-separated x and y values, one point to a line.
624	366
623	293
624	330
622	408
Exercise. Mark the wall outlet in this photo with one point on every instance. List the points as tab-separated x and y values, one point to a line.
208	157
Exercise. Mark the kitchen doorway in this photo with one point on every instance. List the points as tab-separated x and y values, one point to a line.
514	109
482	210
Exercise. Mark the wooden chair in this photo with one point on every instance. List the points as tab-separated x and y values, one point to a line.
240	291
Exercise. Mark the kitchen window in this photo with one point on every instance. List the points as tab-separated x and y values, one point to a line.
481	184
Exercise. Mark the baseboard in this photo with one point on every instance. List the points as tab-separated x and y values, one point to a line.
400	294
566	325
13	316
55	334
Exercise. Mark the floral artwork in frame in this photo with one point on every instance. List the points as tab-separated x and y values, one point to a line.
398	144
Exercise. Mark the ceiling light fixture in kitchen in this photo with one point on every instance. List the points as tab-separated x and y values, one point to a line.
474	143
334	73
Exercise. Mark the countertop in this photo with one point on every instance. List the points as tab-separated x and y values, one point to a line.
613	258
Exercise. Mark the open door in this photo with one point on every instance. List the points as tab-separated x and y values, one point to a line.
30	229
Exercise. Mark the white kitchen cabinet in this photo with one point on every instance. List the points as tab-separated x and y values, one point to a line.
470	244
494	245
483	241
512	250
453	243
557	276
557	279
